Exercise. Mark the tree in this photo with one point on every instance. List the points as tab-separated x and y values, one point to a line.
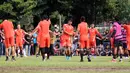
20	11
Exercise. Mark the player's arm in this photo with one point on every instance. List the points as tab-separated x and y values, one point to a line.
25	40
24	32
36	29
98	38
49	21
50	31
72	32
1	26
124	26
78	29
97	32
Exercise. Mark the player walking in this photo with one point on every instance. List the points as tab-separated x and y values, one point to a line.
117	35
92	37
44	40
84	39
8	28
68	32
19	33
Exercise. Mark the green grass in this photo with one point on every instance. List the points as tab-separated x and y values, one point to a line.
58	64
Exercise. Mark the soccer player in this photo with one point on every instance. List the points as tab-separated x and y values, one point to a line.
19	33
68	32
44	40
127	27
118	44
84	40
8	28
92	37
111	39
124	43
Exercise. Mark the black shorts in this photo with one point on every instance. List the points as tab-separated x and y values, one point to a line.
124	46
45	50
117	43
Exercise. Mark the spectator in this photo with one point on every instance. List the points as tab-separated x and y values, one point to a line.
2	48
56	34
27	44
32	47
52	43
34	43
56	49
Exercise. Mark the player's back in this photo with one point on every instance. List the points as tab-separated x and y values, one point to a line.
83	28
8	28
118	34
44	27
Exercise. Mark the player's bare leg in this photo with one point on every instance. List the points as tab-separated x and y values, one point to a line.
114	55
13	53
21	51
37	51
81	54
126	53
7	54
67	53
88	54
43	53
48	53
17	51
121	53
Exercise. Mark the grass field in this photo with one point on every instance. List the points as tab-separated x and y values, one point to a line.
58	64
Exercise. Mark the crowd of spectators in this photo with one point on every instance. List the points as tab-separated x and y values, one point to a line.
30	45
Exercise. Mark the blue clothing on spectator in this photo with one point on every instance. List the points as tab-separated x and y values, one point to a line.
35	39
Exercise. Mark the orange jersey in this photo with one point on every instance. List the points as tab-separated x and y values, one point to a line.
127	27
92	34
43	35
19	33
8	28
83	30
69	29
44	27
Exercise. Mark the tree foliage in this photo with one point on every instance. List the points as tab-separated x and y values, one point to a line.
28	12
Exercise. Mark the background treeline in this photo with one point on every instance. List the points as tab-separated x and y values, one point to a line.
28	12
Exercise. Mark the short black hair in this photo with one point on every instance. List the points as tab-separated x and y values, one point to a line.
116	18
44	17
70	18
82	19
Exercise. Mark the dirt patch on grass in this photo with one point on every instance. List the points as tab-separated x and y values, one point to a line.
106	69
